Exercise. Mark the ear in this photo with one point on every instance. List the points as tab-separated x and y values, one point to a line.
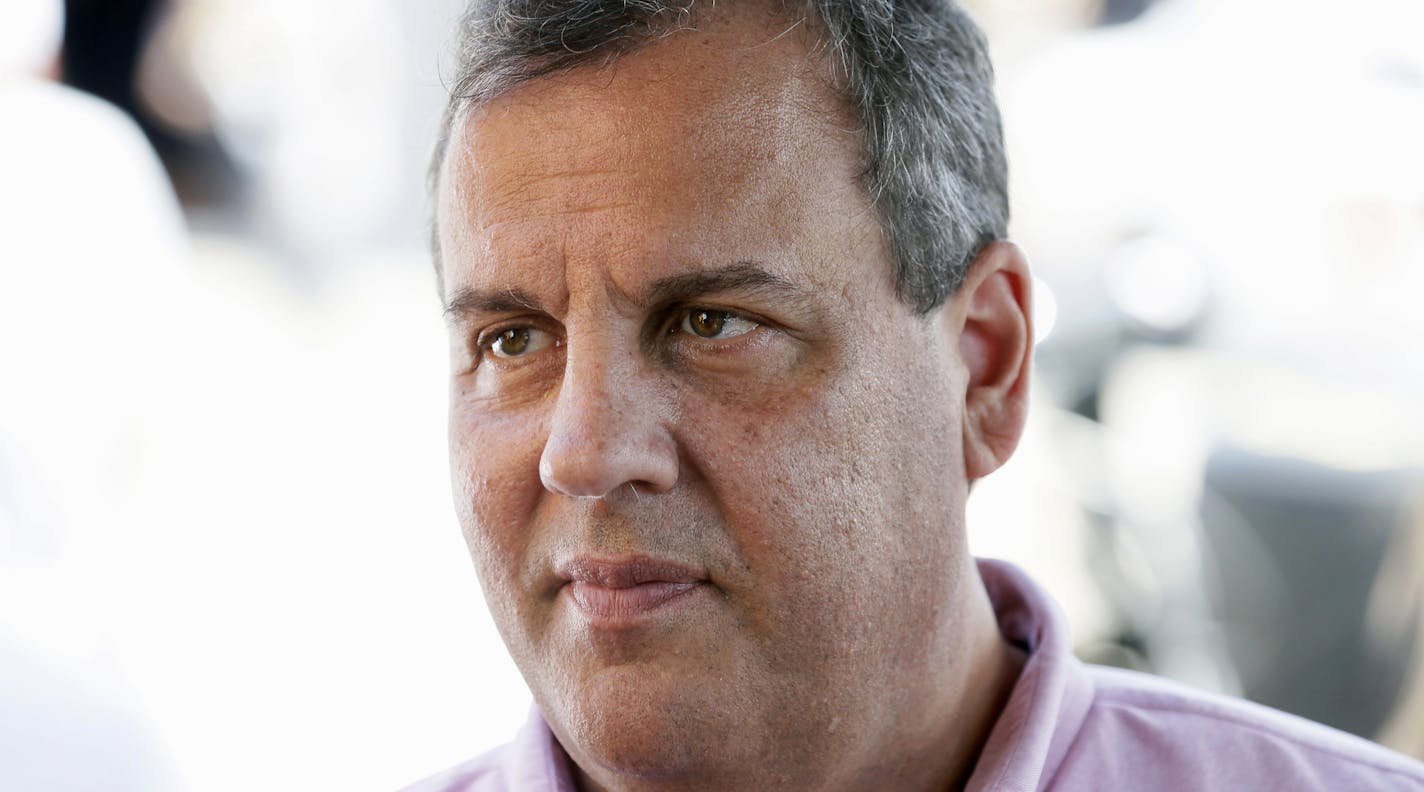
991	315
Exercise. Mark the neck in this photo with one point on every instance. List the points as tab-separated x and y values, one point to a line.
986	690
944	752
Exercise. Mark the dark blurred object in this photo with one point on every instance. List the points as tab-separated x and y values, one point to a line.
103	44
1293	552
1120	12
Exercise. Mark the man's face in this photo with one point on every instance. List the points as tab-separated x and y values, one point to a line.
707	463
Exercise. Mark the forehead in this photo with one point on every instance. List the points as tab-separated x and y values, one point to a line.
731	126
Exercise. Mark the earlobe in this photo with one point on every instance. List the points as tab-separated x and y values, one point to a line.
993	314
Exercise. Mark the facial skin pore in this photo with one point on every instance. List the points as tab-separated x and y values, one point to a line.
675	337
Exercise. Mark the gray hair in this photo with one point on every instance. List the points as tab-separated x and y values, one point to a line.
916	72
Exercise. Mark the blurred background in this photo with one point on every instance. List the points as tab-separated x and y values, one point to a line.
228	559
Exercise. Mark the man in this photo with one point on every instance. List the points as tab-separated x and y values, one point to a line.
733	328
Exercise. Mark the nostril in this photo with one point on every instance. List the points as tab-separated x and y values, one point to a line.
636	459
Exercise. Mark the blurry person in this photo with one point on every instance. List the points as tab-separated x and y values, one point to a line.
91	245
1225	195
316	125
734	327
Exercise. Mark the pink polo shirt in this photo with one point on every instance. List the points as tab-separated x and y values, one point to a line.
1069	726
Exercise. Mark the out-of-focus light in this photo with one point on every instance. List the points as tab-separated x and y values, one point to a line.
30	32
1045	310
1158	283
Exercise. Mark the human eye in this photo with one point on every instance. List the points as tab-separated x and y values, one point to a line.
518	341
714	324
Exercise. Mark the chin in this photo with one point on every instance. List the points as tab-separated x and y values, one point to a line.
648	723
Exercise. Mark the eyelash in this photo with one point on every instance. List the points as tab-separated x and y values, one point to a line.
485	341
680	318
671	325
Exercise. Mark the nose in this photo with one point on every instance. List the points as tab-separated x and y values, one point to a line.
607	431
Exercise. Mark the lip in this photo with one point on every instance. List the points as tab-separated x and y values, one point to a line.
614	593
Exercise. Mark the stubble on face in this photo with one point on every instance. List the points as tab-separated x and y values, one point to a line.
818	480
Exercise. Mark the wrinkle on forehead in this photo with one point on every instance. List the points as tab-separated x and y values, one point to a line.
645	153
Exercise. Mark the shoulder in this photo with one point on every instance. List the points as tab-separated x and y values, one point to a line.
532	762
1145	730
487	772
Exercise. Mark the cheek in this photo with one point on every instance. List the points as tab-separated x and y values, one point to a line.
793	479
838	496
494	465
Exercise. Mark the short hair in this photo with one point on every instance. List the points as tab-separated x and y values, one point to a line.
916	73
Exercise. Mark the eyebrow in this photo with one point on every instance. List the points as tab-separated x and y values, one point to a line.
743	276
467	301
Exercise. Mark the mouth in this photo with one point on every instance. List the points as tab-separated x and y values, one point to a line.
612	593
